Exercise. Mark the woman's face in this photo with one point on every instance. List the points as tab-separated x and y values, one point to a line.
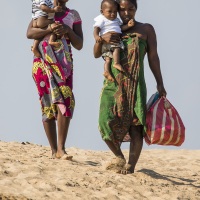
126	11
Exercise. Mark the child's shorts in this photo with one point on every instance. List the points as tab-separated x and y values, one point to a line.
107	49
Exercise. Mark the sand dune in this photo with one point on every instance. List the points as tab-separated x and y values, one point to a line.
28	172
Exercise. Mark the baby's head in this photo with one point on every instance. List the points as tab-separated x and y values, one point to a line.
109	9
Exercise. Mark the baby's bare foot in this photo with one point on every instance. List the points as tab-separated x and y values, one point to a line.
118	66
36	53
55	44
108	76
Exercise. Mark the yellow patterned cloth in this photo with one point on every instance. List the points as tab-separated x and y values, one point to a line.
53	75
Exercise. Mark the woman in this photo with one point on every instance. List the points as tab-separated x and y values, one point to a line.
123	102
53	75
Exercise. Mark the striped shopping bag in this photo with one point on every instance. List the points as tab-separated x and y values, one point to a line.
164	125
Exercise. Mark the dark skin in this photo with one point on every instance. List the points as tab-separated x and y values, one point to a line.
75	36
146	32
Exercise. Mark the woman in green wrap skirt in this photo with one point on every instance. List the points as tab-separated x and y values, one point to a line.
123	102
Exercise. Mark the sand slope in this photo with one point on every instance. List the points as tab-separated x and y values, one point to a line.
28	172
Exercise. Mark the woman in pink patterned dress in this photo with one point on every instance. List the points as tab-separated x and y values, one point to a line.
53	75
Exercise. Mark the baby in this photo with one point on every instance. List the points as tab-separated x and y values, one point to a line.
108	22
43	12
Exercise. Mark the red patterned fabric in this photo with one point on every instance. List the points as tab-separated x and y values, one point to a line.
53	75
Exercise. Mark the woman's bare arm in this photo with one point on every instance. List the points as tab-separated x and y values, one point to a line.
76	36
153	58
36	33
55	3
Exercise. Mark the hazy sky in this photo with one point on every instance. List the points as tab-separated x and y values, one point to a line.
177	24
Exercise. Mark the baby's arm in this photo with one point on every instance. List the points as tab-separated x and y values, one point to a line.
130	24
47	9
96	34
55	3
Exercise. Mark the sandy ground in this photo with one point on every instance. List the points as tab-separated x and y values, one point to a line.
28	172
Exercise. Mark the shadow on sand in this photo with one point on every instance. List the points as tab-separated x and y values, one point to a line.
181	181
87	162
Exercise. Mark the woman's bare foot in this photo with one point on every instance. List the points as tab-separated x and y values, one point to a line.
118	66
108	76
63	155
53	153
36	52
127	169
53	156
116	164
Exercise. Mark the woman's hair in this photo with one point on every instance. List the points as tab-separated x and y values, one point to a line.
134	2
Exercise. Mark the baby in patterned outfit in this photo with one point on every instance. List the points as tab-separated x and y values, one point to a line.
108	22
43	12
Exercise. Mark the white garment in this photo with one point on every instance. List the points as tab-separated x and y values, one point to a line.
107	25
36	10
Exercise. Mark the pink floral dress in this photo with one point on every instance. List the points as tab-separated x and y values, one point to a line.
53	73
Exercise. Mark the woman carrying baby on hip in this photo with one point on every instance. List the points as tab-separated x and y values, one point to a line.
53	74
106	22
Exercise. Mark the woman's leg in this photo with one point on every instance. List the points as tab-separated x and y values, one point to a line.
50	129
63	125
135	147
117	163
116	151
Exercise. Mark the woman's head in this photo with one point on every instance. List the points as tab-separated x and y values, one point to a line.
134	2
109	9
127	9
62	1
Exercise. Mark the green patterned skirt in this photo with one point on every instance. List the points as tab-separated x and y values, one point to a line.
123	102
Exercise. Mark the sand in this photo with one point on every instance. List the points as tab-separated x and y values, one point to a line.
28	172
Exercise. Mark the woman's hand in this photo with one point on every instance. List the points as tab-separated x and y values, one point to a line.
75	36
60	29
161	90
111	38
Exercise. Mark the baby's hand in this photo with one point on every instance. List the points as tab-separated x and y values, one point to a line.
131	23
98	39
57	9
53	25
